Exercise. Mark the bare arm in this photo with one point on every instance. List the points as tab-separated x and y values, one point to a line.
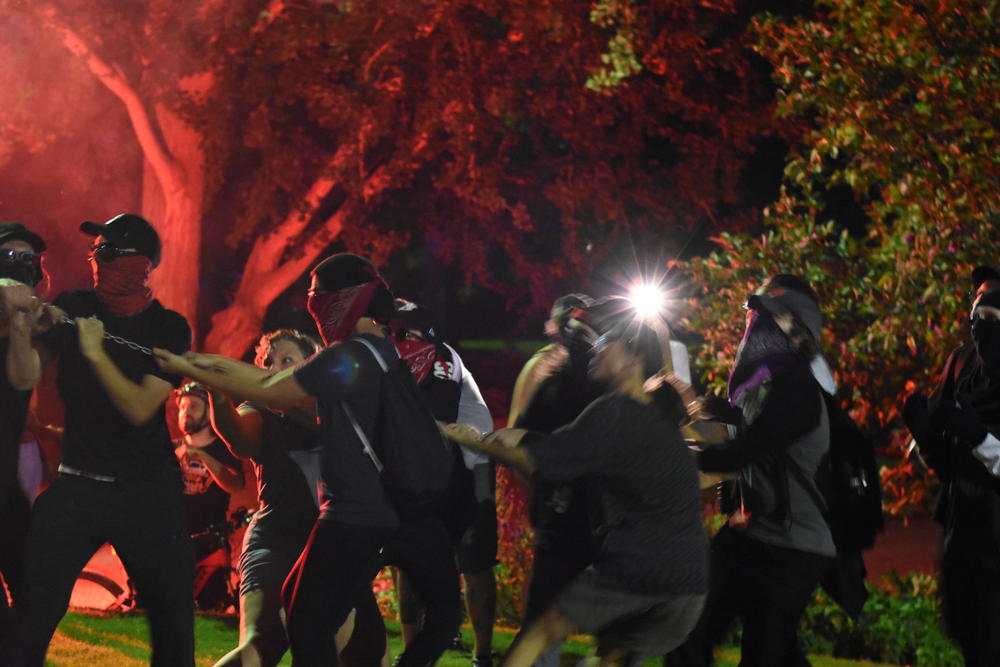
235	378
501	446
136	402
228	478
242	429
21	310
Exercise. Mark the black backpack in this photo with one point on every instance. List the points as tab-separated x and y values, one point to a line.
414	460
849	483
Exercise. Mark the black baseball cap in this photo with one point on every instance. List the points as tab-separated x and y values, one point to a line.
15	231
128	230
413	316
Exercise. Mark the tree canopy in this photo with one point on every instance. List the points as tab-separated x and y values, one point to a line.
899	103
481	129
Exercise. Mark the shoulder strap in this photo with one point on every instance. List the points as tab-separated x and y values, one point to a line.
365	444
375	353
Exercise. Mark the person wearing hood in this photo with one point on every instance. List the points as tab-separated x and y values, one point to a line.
358	530
118	480
776	546
958	431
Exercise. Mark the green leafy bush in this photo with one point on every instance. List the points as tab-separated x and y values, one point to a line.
900	624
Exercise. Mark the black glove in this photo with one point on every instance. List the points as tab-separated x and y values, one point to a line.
917	417
961	423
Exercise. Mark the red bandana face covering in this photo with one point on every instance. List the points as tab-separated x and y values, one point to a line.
122	284
418	355
337	312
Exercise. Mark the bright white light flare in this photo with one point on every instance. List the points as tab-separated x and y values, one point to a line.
649	301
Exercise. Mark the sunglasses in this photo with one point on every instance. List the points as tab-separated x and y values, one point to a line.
21	257
107	252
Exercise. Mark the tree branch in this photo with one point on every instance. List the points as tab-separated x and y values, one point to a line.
167	170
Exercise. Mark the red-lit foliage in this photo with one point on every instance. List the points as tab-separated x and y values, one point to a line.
467	124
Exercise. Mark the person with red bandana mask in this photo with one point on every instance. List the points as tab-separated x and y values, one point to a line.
359	530
471	515
119	480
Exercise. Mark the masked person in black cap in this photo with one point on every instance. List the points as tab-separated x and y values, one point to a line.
20	272
118	481
471	516
359	530
777	545
646	585
210	474
550	358
958	431
563	545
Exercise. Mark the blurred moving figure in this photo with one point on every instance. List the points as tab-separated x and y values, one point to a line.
550	358
646	586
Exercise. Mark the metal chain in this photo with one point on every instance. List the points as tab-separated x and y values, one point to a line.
117	339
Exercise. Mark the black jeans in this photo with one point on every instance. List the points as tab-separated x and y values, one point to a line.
970	600
765	585
144	522
336	570
14	515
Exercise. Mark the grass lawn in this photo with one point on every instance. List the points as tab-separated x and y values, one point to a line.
123	641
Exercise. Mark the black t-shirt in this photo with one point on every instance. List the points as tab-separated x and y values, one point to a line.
349	373
287	468
205	502
644	483
98	439
13	413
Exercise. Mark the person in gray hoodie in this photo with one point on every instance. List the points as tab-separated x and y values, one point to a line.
776	546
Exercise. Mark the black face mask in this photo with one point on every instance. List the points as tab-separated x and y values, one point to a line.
23	267
986	334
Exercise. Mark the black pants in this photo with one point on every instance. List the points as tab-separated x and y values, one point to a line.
970	598
558	559
338	565
14	514
765	585
144	522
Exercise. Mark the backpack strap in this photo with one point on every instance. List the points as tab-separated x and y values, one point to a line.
378	356
365	443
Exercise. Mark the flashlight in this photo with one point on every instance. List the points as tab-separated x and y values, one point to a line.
648	300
